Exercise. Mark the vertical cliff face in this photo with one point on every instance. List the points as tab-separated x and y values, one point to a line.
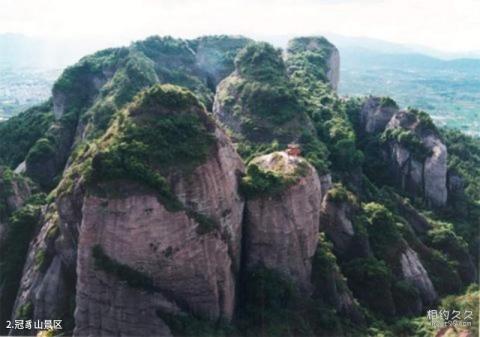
419	156
325	58
415	273
281	229
333	73
46	289
14	191
186	251
375	114
15	234
336	220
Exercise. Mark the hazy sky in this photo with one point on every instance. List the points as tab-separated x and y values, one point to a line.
448	25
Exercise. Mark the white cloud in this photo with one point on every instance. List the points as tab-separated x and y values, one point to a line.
450	25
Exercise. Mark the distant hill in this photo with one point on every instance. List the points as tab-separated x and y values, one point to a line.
446	89
358	56
19	51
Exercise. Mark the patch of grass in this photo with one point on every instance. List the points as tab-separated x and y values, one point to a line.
157	136
339	194
40	259
260	182
123	272
25	311
370	281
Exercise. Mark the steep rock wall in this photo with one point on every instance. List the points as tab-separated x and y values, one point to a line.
281	230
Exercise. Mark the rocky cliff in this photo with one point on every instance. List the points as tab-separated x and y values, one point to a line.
419	156
286	210
323	54
281	229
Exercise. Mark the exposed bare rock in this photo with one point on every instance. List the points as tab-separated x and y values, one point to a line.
45	287
416	220
375	114
14	191
58	104
325	184
435	171
281	230
414	272
329	284
336	221
333	73
20	168
417	157
190	270
453	332
226	89
91	82
213	189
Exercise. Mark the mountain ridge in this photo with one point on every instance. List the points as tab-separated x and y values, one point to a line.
219	186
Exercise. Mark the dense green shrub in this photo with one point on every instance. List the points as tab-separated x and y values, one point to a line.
443	237
370	281
19	133
265	182
205	223
25	311
385	237
258	182
42	149
406	298
273	102
410	140
425	122
156	141
308	56
464	159
339	194
388	102
442	272
272	306
260	62
307	69
315	152
13	251
249	150
159	97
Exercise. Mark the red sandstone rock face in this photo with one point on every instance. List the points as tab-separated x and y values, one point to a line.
282	230
190	271
44	284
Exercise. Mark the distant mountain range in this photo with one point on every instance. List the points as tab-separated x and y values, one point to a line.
443	84
20	51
